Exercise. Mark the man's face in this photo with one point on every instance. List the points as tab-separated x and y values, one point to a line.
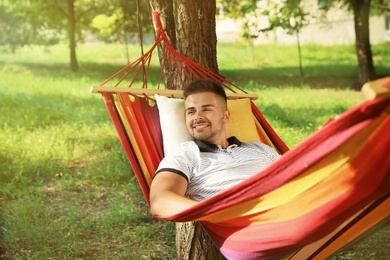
206	117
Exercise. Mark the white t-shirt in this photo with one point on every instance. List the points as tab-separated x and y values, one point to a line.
209	169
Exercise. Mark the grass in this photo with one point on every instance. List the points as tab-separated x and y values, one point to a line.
67	190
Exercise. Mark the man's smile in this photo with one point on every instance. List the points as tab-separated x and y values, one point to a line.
200	126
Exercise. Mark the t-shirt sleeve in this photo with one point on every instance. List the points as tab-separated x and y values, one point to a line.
179	161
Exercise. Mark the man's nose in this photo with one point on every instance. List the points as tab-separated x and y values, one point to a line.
199	114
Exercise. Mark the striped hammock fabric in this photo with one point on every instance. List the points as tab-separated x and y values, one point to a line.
330	191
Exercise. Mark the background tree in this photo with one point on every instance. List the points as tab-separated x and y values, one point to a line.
361	10
361	15
249	13
74	16
290	16
51	21
20	26
120	22
46	22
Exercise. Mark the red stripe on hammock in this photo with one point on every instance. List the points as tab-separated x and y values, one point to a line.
116	120
140	126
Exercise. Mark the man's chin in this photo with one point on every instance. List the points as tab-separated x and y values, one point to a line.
200	137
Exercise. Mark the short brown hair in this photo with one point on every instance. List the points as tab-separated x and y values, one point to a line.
204	85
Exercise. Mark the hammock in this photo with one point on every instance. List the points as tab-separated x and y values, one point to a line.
329	192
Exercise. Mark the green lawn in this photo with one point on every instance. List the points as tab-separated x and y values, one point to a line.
67	190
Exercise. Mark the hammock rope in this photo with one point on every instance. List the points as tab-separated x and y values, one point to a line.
320	197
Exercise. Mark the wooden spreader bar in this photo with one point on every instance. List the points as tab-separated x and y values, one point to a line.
161	92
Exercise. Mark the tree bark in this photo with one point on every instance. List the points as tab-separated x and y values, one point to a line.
195	31
190	27
193	243
361	12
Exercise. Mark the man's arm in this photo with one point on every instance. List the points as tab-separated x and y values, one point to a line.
167	194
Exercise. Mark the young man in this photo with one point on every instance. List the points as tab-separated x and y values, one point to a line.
211	163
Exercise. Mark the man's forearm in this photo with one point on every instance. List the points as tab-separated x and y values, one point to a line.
168	203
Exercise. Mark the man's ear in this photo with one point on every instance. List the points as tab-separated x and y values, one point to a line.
227	115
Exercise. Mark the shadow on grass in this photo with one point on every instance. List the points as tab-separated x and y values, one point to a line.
96	72
336	76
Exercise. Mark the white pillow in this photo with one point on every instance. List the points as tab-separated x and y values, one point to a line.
172	120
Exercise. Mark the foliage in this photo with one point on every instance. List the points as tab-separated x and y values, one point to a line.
289	15
246	10
47	22
106	25
120	20
21	25
54	15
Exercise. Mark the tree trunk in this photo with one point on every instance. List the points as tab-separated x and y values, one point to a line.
72	36
299	54
361	12
195	30
193	243
190	27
